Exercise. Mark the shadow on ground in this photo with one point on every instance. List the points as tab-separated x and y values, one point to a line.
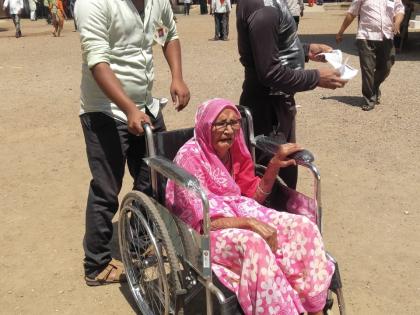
124	287
125	291
354	101
40	34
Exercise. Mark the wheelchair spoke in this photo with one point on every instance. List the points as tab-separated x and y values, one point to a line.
150	267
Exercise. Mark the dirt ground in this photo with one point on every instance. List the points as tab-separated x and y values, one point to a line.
369	163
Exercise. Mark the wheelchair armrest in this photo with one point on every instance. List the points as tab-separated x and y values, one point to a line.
172	171
270	145
181	177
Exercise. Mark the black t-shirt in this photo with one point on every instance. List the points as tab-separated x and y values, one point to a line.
270	49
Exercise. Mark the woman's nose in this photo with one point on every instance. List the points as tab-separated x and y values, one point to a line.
229	129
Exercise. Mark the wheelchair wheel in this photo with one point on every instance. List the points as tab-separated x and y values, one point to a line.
148	255
191	250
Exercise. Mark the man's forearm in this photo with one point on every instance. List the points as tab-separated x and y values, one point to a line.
172	52
347	21
111	86
398	19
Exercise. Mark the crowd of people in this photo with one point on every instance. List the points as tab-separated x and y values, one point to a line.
54	11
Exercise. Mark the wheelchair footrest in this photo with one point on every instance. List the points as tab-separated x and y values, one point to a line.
195	301
336	279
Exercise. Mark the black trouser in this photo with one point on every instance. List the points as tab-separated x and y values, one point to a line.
187	8
109	146
376	59
273	115
16	22
220	23
203	6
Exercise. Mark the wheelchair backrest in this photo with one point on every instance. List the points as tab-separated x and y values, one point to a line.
167	144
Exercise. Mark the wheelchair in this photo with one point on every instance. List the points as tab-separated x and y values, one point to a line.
167	263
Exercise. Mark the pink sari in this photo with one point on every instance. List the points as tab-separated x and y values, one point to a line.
292	280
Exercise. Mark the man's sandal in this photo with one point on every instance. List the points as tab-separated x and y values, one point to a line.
113	273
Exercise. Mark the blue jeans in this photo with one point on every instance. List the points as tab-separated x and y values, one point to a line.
220	21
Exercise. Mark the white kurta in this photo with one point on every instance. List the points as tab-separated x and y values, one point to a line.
15	6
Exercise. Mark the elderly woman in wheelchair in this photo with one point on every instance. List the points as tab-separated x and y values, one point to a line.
274	261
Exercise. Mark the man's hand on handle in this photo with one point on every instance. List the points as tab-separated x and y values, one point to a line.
135	120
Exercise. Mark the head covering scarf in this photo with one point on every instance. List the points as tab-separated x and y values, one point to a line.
224	190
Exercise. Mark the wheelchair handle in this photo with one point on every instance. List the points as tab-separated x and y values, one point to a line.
270	145
148	132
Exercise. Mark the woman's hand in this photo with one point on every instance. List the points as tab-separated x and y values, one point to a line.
280	159
266	231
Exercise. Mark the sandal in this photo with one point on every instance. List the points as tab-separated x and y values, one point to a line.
113	273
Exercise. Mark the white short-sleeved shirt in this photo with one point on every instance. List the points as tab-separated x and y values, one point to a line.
15	6
113	31
376	17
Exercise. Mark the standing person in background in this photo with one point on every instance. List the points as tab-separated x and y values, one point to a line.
221	10
72	4
46	10
187	4
57	16
401	37
296	7
274	60
203	6
311	3
32	8
15	10
116	99
379	21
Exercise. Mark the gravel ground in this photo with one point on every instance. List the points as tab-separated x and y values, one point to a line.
368	161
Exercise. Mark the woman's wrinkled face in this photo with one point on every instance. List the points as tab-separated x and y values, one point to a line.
223	131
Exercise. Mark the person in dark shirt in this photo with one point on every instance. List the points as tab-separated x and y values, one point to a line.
274	58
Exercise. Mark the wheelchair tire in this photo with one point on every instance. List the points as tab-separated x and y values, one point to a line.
189	245
148	254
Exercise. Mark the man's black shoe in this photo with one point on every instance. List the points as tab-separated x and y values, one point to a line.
378	97
368	107
369	104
